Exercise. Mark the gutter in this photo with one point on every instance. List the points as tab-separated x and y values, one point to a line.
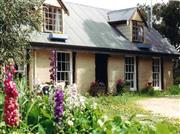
39	45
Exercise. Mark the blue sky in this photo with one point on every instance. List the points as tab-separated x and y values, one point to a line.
114	4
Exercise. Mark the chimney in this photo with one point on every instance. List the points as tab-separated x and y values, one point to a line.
150	15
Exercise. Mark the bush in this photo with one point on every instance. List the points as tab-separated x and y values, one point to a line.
174	90
121	86
97	89
149	90
177	80
116	125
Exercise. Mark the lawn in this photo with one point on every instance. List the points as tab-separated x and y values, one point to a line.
126	107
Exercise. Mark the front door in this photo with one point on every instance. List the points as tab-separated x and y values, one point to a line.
101	68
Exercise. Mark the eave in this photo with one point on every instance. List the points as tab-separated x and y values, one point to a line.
64	46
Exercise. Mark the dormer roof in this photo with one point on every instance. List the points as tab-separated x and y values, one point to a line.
57	3
124	15
121	15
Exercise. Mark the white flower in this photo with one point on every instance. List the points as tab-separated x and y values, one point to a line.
82	101
94	106
70	123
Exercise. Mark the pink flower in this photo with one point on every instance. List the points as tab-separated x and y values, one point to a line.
11	107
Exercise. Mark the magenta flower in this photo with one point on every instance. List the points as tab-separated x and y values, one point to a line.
53	66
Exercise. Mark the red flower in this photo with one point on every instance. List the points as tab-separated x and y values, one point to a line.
120	82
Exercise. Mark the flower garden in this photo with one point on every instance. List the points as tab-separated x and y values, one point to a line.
63	110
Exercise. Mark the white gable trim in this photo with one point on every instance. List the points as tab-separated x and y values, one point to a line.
52	3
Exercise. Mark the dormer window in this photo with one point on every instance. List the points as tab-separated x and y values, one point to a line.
52	19
137	31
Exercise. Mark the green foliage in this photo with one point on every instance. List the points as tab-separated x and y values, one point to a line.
174	90
80	120
122	86
150	91
17	20
167	27
116	125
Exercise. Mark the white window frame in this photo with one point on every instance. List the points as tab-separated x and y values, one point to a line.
60	26
136	26
157	87
22	71
134	78
71	70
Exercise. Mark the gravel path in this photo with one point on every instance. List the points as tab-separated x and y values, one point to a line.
166	106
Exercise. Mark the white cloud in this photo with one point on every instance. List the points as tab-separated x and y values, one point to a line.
114	4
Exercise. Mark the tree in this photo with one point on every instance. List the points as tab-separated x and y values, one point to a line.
166	19
18	18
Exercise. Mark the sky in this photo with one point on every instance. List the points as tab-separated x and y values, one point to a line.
115	4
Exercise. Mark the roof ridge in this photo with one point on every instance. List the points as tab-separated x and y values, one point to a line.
86	5
123	9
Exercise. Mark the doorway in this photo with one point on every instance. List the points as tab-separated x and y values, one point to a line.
101	68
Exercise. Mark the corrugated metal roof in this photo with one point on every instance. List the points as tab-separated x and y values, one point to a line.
88	27
121	15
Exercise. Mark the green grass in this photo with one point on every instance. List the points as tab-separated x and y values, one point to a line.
126	106
119	105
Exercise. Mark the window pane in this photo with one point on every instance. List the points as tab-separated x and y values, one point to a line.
156	72
52	17
129	70
63	60
58	76
138	31
59	66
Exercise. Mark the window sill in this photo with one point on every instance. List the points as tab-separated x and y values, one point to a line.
143	46
58	36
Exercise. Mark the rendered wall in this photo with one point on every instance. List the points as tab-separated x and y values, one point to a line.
168	73
42	66
145	71
85	70
115	71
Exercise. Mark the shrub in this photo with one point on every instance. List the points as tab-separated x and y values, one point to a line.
121	86
174	90
149	90
97	89
177	80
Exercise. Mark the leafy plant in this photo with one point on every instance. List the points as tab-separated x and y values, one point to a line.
150	91
121	86
174	90
97	89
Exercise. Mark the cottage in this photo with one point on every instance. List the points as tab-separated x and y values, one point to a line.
99	44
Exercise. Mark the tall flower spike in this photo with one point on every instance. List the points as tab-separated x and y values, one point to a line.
59	107
53	67
11	107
